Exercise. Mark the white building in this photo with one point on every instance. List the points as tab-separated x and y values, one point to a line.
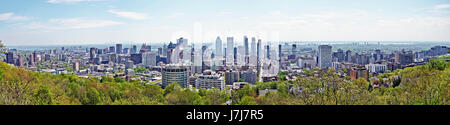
376	68
219	47
149	58
230	50
253	46
306	62
210	81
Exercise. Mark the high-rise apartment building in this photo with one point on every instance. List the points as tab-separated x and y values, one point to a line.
324	57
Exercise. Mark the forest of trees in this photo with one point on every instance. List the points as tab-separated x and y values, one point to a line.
421	85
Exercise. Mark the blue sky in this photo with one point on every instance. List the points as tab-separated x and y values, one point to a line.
50	22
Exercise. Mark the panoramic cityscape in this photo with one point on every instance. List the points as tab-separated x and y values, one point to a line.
282	57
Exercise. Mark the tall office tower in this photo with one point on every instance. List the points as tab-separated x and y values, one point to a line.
348	56
119	49
164	51
240	55
268	51
182	42
126	51
218	47
169	56
378	56
31	60
149	58
92	54
143	48
99	51
174	74
246	45
134	49
294	48
204	47
340	55
159	51
279	52
112	49
230	50
136	58
35	56
235	55
253	46
19	61
149	48
324	56
192	55
10	58
258	49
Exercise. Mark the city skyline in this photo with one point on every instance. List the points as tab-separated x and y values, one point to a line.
68	22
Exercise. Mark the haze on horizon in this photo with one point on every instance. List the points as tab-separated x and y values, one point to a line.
69	22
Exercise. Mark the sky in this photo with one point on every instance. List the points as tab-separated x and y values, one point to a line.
73	22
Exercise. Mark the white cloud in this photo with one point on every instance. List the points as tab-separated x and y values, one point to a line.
129	15
70	1
11	17
71	23
442	6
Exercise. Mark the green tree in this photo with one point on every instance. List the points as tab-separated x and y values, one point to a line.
247	100
92	97
43	96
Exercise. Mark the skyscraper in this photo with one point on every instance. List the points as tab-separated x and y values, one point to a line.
92	54
126	51
164	51
340	55
149	58
19	61
253	46
218	47
348	56
258	49
324	56
134	49
279	52
31	60
112	49
235	55
268	52
294	48
10	58
182	42
35	56
119	49
246	45
230	50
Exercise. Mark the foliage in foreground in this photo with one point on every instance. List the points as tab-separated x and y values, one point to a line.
420	85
